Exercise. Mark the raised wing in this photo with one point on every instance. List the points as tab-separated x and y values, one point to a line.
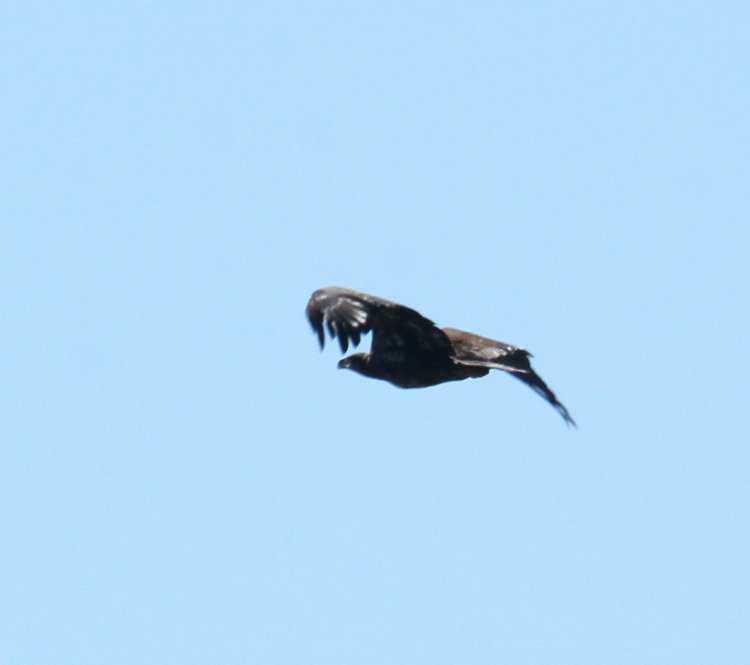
397	330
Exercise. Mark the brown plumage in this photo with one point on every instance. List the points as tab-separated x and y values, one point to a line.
409	350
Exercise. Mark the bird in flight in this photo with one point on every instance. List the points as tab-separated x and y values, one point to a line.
409	350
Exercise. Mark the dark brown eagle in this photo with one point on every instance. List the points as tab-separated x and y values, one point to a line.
409	350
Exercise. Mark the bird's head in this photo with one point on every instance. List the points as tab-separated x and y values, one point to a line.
356	362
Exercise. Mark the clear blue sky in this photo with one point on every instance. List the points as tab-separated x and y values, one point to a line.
185	479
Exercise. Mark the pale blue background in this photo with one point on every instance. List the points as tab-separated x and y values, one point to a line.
185	479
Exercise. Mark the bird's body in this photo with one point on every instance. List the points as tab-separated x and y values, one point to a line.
409	350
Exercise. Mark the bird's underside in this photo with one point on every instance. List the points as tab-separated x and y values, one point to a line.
409	350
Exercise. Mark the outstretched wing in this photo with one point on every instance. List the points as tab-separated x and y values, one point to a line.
474	350
398	331
535	382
